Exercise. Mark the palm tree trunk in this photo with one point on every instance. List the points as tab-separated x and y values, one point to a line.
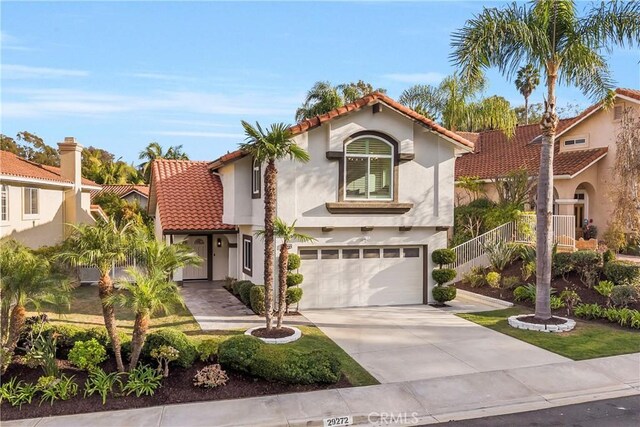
140	328
270	176
544	206
15	326
282	288
5	309
105	290
526	110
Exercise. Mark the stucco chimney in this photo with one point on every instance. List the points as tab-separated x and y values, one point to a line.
71	169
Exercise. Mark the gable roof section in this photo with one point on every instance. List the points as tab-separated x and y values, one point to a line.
358	104
189	197
496	155
122	190
16	166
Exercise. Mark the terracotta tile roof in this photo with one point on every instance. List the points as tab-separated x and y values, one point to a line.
631	93
122	190
13	165
496	155
373	98
188	196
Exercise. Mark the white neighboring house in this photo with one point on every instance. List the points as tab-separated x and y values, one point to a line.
37	201
377	195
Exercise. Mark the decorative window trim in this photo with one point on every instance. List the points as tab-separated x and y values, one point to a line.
4	207
256	179
247	254
30	214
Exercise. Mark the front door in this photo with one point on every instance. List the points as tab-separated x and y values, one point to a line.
199	245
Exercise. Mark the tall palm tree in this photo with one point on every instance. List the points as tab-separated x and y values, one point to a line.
456	104
288	234
155	151
527	79
146	295
101	245
270	146
550	35
159	258
25	278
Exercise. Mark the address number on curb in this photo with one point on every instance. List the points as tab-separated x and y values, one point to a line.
338	421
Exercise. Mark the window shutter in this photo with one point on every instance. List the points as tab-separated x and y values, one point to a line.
617	112
356	177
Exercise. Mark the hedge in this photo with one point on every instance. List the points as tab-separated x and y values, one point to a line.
622	272
245	292
256	298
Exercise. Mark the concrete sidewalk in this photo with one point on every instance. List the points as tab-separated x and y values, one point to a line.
411	402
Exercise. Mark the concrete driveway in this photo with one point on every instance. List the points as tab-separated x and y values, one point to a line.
406	343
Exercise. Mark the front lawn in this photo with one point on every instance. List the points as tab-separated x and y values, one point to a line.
587	341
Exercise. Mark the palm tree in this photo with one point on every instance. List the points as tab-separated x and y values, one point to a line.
550	35
154	151
527	79
159	258
100	246
270	146
25	278
288	234
145	295
455	103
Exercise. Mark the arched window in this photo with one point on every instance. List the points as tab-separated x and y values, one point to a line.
4	208
368	169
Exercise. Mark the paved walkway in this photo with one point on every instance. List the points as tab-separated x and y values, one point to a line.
631	258
419	402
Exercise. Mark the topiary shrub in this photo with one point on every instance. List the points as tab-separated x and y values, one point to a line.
238	352
493	279
87	355
293	262
294	295
175	339
256	298
587	264
443	294
443	256
245	292
443	275
294	279
622	272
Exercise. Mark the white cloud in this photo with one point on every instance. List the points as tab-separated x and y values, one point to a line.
196	134
416	78
21	72
158	76
9	42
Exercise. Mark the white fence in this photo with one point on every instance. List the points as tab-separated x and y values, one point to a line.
89	274
472	253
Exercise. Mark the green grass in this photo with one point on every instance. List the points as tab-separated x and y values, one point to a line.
86	311
587	341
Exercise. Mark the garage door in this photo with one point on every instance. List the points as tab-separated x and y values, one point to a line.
352	277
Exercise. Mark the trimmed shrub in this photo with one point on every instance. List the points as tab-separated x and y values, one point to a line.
87	355
207	349
293	262
443	294
493	279
561	264
175	339
622	272
294	295
67	335
623	295
292	366
443	275
238	352
256	298
587	264
443	256
245	292
235	288
294	279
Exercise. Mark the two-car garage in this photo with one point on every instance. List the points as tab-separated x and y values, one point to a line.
362	276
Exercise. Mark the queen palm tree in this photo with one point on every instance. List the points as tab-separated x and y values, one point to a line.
146	295
101	245
288	234
159	258
155	151
270	146
552	36
25	278
527	79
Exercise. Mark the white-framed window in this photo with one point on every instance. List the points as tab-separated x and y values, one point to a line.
247	254
256	179
30	199
618	110
368	169
575	142
4	203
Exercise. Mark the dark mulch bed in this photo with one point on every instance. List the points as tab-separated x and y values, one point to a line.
572	281
177	388
537	321
273	333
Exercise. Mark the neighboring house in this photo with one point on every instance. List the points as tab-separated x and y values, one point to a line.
585	152
377	195
128	192
37	201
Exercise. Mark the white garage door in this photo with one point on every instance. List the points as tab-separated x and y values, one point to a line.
352	277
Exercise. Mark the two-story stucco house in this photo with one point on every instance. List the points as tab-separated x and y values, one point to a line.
38	201
377	195
584	158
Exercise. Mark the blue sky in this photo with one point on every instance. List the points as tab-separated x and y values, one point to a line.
119	75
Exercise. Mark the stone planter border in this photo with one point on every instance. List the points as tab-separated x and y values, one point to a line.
291	338
515	322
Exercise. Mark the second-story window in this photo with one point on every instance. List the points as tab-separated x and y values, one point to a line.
368	169
30	201
4	199
256	179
